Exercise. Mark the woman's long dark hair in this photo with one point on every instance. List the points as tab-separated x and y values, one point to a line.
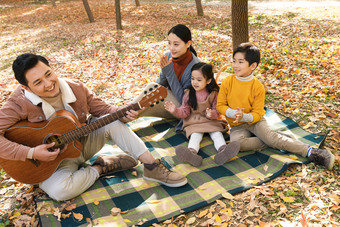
184	33
207	71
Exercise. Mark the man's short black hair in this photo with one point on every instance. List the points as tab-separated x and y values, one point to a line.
25	62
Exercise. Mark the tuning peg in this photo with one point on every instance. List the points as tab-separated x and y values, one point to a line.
162	100
157	102
150	89
156	86
152	105
145	92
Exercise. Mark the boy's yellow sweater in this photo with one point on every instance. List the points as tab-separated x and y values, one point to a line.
249	95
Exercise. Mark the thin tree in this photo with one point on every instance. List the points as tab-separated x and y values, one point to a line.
88	10
53	3
239	22
118	15
137	3
199	7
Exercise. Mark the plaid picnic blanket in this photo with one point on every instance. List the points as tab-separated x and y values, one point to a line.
143	203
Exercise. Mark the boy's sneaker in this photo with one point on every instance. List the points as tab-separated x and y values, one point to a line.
188	155
113	163
161	174
322	157
227	152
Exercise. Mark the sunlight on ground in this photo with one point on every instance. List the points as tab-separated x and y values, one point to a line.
293	4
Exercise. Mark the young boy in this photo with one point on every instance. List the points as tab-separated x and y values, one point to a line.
241	99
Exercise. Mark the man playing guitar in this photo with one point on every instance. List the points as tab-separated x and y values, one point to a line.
40	97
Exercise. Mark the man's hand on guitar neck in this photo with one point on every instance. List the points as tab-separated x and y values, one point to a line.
131	115
42	153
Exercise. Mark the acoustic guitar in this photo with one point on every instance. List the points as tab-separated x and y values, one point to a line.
64	130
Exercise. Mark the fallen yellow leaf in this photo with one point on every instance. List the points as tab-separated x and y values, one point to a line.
30	189
71	207
78	216
227	195
202	213
218	219
264	224
153	201
202	187
190	221
303	220
288	199
221	203
32	220
295	189
115	211
64	216
294	157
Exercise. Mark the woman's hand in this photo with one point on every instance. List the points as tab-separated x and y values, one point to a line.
238	115
170	106
164	61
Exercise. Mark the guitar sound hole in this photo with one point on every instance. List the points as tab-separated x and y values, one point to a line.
57	140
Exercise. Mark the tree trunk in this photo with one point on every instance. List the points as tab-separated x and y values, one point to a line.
239	22
199	7
88	10
53	3
137	3
118	15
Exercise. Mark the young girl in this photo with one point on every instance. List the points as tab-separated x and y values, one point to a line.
175	71
200	116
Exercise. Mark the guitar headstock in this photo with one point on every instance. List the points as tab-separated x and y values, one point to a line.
156	94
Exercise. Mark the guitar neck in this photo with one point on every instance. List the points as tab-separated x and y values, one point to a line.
101	122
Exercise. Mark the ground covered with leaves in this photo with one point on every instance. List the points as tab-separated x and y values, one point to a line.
300	69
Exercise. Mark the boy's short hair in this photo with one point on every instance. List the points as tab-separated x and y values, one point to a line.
251	52
25	62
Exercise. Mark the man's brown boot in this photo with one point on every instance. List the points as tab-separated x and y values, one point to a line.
188	155
158	172
114	163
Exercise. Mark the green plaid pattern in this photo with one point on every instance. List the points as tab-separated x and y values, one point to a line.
143	202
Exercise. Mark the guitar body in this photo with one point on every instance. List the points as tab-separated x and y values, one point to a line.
64	130
34	134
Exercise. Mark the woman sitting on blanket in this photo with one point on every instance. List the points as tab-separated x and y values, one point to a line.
200	116
175	71
241	100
